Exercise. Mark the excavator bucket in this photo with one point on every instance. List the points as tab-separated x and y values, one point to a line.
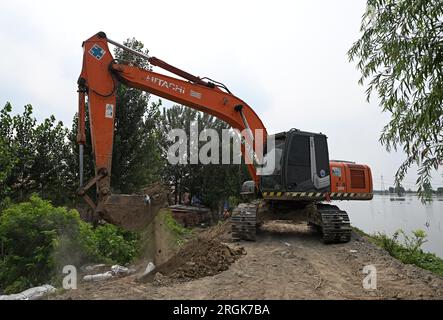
135	212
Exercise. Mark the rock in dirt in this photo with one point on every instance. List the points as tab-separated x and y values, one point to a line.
198	258
161	281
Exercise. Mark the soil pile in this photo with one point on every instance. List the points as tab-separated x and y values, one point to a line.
196	259
221	232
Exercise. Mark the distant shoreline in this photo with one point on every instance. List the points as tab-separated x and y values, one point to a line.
413	193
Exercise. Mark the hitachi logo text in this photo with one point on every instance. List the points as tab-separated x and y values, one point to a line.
163	83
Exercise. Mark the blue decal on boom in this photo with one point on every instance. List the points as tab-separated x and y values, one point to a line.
97	52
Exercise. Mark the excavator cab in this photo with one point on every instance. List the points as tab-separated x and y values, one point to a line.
304	172
301	164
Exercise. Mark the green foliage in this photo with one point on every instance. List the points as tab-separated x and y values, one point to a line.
29	235
210	183
38	239
172	225
390	244
7	163
34	157
409	251
137	155
115	244
400	53
399	189
427	187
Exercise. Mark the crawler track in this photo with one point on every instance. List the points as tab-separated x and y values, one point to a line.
334	223
243	222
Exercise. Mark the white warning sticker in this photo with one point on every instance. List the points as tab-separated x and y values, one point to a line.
109	111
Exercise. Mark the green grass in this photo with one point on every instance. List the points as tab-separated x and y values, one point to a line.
178	231
408	250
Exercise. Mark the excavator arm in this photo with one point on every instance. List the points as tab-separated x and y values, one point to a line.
98	81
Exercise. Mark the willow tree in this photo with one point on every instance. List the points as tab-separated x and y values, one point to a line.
400	56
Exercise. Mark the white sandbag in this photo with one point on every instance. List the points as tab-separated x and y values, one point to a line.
35	293
119	270
93	267
149	268
98	276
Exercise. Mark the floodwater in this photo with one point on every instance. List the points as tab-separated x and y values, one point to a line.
388	213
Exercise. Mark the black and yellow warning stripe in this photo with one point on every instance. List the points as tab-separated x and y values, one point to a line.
351	195
293	195
316	195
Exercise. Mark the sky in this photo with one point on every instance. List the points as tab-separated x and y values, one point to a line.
286	59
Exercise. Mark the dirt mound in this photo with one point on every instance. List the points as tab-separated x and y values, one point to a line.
221	232
196	259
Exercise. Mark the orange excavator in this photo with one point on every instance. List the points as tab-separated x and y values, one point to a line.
303	178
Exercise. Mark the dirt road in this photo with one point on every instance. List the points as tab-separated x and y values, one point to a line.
288	261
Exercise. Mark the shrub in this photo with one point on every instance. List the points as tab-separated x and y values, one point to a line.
115	244
38	239
30	234
388	243
409	251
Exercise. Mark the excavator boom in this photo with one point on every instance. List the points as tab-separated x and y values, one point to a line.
98	81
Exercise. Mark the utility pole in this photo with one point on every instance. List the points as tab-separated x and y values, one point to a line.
382	185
